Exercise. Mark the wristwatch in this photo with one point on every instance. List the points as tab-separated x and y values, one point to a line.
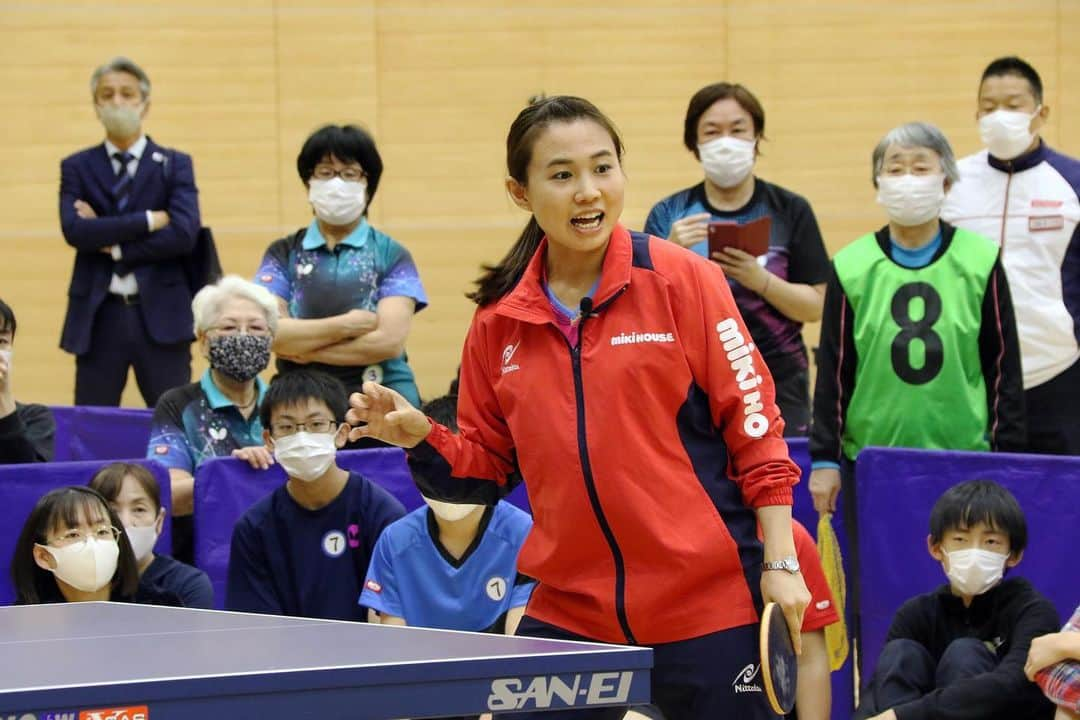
789	563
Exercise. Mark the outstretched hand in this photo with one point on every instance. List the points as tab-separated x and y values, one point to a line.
381	413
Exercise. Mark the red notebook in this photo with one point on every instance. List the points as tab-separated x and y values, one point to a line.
753	237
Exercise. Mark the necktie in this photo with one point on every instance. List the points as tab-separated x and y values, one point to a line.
122	189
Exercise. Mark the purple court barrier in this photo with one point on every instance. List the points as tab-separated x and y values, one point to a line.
898	487
100	433
25	484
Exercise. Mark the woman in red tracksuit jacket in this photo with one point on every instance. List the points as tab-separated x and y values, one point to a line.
613	372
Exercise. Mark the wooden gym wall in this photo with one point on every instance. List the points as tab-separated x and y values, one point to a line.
240	83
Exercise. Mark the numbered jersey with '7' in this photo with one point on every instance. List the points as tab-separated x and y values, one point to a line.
918	356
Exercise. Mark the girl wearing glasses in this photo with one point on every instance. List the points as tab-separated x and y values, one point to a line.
347	292
72	550
134	495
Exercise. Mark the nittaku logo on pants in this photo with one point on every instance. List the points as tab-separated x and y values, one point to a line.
744	681
742	364
559	690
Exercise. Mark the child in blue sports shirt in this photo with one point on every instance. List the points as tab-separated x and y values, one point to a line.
451	566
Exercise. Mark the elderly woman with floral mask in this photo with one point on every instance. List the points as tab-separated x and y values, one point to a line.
235	322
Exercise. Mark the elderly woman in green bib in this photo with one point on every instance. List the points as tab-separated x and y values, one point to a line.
918	340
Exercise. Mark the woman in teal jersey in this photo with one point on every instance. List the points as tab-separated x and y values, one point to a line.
347	291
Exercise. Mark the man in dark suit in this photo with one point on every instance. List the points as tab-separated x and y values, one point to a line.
130	208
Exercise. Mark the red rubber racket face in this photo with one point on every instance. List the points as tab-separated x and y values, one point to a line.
779	665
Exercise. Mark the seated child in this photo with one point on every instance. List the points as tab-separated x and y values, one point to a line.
135	497
1054	663
451	566
304	549
959	652
71	549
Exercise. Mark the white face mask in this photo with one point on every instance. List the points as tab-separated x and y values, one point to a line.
86	566
974	571
305	456
336	201
6	356
142	540
1007	133
911	199
120	120
450	511
727	160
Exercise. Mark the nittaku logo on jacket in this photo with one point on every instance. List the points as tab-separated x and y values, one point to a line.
507	356
632	338
742	364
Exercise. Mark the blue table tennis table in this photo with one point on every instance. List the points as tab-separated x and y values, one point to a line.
110	661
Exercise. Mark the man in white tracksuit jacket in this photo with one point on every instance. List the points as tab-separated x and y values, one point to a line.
1026	197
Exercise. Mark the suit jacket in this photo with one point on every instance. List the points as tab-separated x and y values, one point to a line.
164	180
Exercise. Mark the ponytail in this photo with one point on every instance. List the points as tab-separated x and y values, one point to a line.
499	279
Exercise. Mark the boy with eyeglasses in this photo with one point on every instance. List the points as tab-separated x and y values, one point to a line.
304	549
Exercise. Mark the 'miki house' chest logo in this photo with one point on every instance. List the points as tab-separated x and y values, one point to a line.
634	338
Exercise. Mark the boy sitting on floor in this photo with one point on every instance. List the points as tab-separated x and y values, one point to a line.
959	651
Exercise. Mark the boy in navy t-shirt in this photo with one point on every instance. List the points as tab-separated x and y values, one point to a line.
305	548
451	566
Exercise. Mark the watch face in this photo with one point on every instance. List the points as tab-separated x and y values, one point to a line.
791	564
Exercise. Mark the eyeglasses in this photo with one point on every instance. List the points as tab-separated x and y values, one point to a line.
230	329
102	533
319	425
349	174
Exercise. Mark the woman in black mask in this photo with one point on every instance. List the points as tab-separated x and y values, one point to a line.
235	322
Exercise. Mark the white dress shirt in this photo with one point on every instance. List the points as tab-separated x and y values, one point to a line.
126	284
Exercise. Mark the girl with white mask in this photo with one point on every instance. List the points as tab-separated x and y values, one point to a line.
776	292
134	495
72	549
918	341
347	291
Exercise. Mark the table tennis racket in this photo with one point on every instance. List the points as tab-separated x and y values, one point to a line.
779	666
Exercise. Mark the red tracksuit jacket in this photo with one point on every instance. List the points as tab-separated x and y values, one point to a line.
644	449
